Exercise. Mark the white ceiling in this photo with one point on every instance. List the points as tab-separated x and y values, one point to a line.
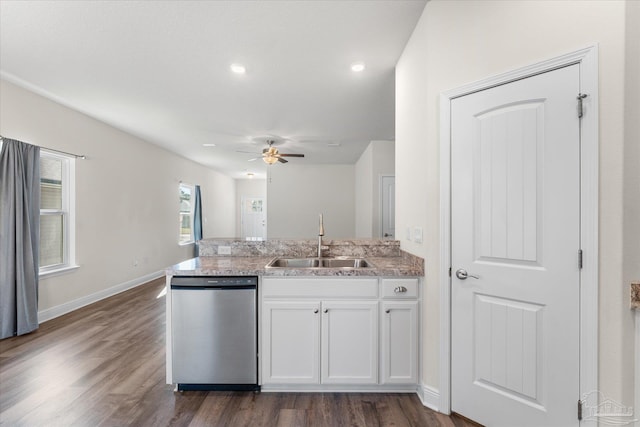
161	70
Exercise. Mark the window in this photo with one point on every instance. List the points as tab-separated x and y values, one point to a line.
186	214
57	222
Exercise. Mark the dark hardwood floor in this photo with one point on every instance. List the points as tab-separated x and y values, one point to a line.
104	365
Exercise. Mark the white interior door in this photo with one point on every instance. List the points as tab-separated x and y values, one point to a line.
254	219
388	212
515	212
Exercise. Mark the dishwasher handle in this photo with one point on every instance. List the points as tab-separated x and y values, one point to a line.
209	287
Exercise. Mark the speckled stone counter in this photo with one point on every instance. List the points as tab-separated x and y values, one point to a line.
635	295
300	248
251	258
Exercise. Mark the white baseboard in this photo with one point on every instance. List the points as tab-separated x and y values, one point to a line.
429	396
339	388
59	310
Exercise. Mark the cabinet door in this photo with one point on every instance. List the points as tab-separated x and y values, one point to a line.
349	342
291	342
399	342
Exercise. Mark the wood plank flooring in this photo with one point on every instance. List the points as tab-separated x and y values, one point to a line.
104	365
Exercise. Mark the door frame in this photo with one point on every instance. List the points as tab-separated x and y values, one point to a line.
243	199
587	58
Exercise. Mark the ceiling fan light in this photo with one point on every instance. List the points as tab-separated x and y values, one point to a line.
270	159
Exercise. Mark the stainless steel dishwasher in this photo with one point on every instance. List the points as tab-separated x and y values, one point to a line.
214	333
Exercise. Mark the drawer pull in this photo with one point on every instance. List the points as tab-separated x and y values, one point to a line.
387	311
400	290
315	311
326	310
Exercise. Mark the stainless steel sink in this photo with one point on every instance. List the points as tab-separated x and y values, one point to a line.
345	263
319	263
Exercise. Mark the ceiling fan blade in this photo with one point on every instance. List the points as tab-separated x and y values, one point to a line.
248	152
291	155
281	160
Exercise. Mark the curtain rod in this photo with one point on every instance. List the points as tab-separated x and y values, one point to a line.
77	156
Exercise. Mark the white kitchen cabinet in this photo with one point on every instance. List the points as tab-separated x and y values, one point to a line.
399	342
291	342
349	342
399	331
321	333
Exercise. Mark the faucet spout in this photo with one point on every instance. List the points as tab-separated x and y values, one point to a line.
320	234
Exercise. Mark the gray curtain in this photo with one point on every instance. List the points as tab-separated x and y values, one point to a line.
197	220
19	237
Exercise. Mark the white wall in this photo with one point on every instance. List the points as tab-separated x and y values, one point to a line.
247	188
364	193
297	194
126	196
378	159
458	42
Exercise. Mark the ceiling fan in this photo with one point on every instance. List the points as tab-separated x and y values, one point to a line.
271	155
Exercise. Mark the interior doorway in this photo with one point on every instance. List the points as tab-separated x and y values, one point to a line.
253	218
388	207
583	105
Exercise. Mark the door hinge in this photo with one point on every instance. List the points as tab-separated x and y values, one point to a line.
579	410
580	258
449	271
581	96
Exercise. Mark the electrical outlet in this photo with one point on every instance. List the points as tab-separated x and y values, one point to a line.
417	234
224	250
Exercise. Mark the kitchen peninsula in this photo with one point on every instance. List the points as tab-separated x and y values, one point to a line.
322	328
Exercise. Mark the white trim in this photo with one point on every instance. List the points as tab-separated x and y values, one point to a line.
429	396
445	255
637	368
341	388
59	310
58	271
588	60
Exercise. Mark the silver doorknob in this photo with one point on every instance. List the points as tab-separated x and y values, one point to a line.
463	275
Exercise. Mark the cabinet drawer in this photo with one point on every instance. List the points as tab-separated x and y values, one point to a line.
311	287
399	288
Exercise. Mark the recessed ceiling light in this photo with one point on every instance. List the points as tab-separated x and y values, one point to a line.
357	67
238	68
208	145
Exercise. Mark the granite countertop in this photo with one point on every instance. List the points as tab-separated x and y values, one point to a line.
255	266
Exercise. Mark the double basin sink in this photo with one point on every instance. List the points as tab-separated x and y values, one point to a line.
340	262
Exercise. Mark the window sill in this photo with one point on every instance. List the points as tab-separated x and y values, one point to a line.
58	271
186	243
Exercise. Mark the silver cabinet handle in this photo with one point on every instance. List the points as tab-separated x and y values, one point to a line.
326	310
315	311
463	275
400	290
387	311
